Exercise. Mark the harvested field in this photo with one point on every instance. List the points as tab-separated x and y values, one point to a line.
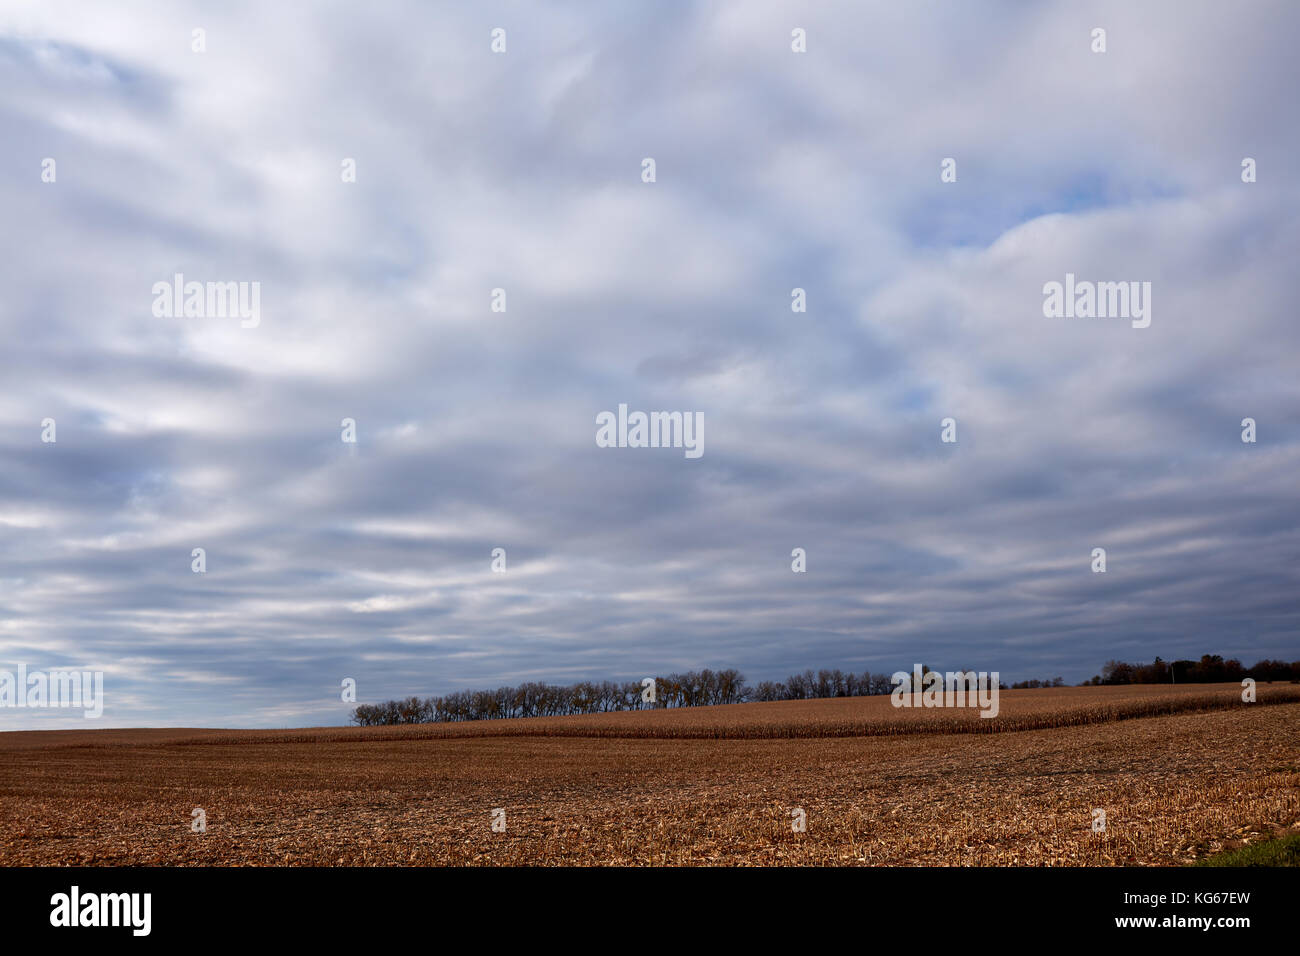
835	717
1175	787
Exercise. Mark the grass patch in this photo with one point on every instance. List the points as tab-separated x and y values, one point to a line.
1283	852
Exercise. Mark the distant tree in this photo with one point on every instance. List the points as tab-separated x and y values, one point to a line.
727	686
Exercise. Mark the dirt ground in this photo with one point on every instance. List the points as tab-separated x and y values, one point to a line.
1173	788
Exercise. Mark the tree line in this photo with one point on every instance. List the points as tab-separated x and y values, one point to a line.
690	689
1210	669
533	699
708	687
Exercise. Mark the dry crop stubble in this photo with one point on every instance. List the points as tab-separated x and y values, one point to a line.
1174	787
835	717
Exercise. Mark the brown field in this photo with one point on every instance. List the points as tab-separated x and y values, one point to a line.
1180	771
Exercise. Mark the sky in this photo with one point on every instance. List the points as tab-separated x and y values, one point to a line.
522	170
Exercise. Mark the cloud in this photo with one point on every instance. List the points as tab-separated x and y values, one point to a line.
476	428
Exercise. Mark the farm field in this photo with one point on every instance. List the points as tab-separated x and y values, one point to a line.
1180	773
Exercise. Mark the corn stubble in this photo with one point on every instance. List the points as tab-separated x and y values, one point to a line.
1180	773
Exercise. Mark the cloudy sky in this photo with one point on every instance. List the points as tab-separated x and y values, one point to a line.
475	429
